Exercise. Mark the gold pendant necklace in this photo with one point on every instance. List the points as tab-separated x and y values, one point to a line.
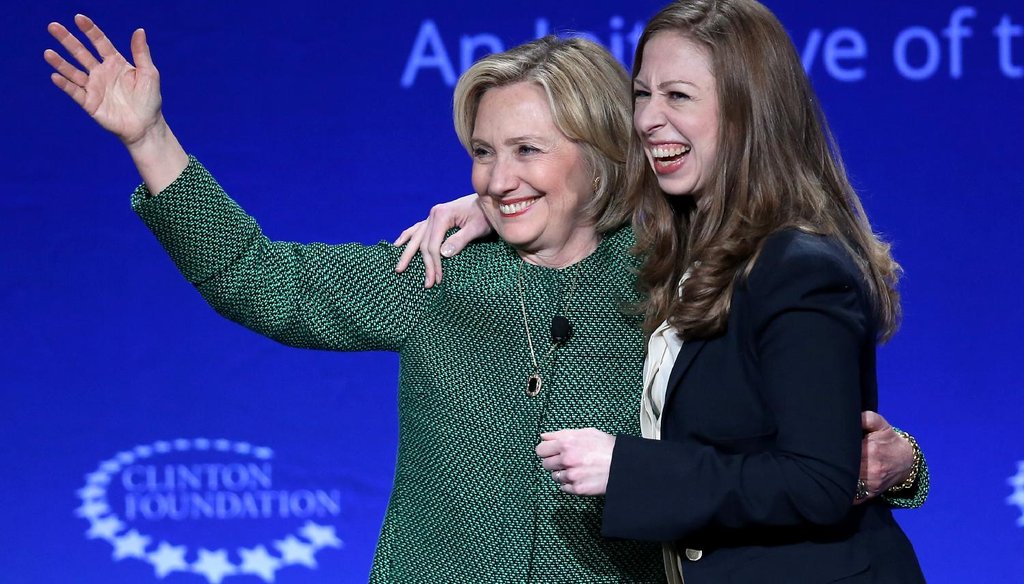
534	382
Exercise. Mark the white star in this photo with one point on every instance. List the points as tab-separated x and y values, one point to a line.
91	492
258	561
1017	498
201	444
320	535
163	446
92	509
130	545
1017	480
182	444
263	452
222	445
243	447
144	451
168	558
97	478
294	551
104	528
125	457
214	565
110	466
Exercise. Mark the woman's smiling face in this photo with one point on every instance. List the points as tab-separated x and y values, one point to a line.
532	180
676	113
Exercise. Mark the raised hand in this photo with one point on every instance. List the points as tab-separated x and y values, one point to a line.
121	97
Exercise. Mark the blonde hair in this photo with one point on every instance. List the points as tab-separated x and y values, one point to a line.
587	91
777	166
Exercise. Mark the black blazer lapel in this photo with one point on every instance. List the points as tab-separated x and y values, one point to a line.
684	359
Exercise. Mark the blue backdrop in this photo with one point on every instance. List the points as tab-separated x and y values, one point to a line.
330	122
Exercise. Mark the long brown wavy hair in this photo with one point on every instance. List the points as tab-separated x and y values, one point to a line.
777	167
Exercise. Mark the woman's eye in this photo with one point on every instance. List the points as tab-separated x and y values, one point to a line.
524	149
480	152
641	94
677	95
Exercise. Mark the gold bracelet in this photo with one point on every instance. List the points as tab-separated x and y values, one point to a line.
918	457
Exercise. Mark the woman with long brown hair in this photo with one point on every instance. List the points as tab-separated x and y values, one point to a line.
766	293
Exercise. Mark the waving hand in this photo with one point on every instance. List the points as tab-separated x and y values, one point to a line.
123	98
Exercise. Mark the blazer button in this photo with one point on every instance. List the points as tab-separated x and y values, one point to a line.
693	555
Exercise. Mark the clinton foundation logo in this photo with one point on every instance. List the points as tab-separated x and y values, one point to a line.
212	508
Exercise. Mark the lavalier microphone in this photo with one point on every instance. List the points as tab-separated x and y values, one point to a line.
561	329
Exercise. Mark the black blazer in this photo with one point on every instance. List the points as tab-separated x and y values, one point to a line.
760	449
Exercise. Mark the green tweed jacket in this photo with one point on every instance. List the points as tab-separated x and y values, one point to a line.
471	502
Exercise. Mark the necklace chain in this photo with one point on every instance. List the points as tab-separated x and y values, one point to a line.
534	382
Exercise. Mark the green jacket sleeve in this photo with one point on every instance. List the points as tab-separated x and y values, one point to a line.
338	297
917	494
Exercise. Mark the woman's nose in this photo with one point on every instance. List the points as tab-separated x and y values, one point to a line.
504	178
648	116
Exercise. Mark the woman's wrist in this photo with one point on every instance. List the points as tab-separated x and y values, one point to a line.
915	468
158	156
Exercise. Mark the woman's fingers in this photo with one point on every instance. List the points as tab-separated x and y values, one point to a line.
67	77
75	92
456	243
99	40
406	235
412	237
430	249
873	421
428	236
552	463
403	260
141	56
73	46
66	70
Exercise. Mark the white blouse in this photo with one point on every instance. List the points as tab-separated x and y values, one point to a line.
662	349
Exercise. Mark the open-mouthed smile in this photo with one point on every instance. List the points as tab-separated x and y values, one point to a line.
667	158
516	207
